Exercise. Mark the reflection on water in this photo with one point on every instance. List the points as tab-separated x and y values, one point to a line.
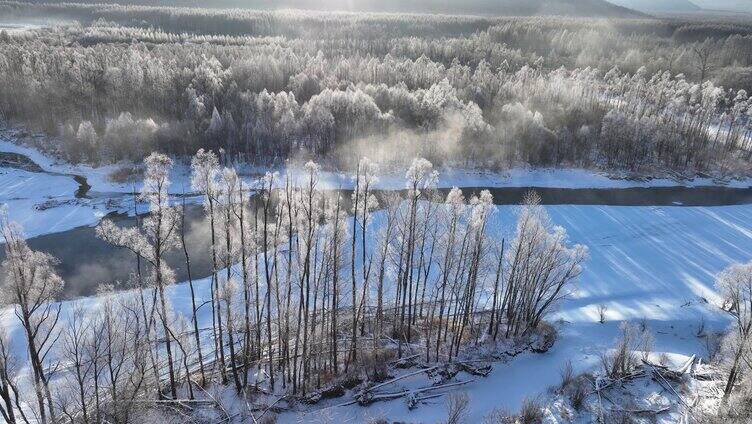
86	261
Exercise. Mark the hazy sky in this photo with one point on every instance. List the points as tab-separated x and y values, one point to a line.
734	5
681	6
658	5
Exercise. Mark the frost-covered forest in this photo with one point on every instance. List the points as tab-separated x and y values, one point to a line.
487	92
337	216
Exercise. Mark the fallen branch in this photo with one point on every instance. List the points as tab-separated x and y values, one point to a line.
611	382
257	419
174	401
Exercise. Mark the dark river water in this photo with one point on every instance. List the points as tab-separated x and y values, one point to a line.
87	261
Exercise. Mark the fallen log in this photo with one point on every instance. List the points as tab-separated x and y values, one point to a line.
333	391
611	382
642	411
367	400
668	386
479	371
413	401
401	377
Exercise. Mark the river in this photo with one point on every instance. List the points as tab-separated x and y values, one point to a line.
86	261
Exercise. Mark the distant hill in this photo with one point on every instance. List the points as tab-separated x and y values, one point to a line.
590	8
744	6
659	6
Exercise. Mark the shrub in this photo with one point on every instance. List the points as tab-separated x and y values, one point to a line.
602	313
457	407
567	374
126	174
268	419
544	337
531	412
499	416
623	360
375	363
578	393
620	417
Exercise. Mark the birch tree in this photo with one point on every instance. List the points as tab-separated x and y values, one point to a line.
204	179
31	286
364	202
158	235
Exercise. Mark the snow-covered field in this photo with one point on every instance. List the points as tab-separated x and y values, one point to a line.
646	263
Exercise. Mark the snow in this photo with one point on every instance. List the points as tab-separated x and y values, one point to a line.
25	193
97	177
18	27
45	203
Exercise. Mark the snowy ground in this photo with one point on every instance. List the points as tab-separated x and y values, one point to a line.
45	202
18	27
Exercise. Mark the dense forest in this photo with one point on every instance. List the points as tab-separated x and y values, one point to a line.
117	82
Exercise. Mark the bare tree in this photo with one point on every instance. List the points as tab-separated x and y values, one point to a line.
541	269
31	284
364	202
74	350
735	284
457	408
194	308
10	407
229	201
204	179
704	53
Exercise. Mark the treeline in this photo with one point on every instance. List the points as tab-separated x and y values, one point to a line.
308	289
